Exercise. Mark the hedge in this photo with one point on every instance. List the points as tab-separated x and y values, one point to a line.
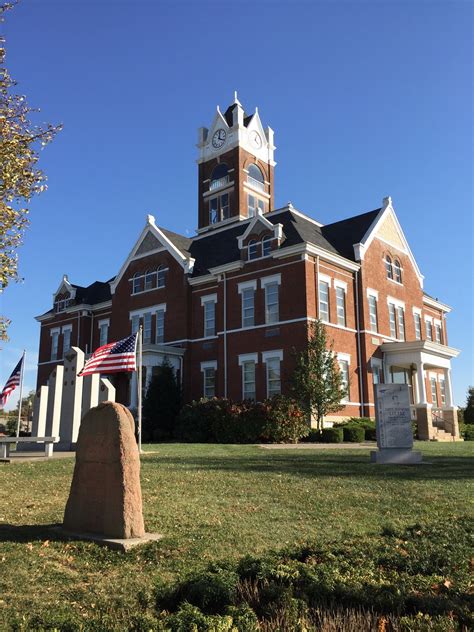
332	435
353	434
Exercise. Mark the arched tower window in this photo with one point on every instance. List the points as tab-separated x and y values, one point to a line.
255	177
161	276
397	270
389	267
219	177
137	283
150	277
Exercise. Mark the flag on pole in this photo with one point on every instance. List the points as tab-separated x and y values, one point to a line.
113	357
12	382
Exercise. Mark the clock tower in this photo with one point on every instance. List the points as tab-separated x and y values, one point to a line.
235	168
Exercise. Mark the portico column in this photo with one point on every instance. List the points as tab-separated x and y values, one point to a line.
420	374
449	387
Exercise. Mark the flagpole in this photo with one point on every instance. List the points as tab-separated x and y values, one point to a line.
139	382
21	394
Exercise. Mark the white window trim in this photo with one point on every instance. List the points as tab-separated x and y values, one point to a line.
270	355
209	298
344	356
143	310
275	278
325	278
211	364
433	376
416	310
396	302
56	330
374	293
341	284
429	319
247	285
105	321
66	328
248	357
436	321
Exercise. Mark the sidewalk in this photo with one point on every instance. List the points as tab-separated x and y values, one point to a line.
34	457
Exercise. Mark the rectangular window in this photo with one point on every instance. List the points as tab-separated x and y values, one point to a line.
66	340
135	323
103	334
377	375
160	326
273	377
225	209
272	314
434	392
248	307
417	318
401	323
261	206
341	306
442	390
252	205
324	301
373	313
248	380
147	328
392	319
209	376
54	345
344	368
213	211
209	318
438	335
429	329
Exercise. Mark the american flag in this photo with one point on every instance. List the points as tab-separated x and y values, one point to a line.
12	382
114	357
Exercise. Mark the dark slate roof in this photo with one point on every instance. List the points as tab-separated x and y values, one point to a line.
347	232
97	292
221	247
228	115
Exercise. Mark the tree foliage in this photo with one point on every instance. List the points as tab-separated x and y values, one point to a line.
161	405
20	178
317	381
469	410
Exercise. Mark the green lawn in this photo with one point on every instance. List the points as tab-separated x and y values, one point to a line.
210	502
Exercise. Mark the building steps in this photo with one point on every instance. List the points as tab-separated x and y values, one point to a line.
442	435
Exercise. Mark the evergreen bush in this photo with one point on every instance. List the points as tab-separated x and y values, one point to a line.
332	435
161	405
353	433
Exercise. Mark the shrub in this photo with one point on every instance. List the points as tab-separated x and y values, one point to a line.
285	421
313	436
353	434
161	405
468	432
332	435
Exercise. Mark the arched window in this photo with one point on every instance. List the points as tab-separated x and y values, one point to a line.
220	177
137	283
150	278
252	248
255	177
266	245
161	276
388	267
397	270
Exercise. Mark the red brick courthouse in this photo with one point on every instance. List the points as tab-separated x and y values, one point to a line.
227	306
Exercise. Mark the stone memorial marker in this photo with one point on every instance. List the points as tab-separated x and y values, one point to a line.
105	501
394	426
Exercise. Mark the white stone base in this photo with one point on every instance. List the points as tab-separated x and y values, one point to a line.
118	544
396	456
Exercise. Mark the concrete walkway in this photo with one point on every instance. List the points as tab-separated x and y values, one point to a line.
35	457
369	445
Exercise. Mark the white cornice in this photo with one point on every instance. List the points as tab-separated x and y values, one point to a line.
312	249
421	345
431	302
73	310
227	267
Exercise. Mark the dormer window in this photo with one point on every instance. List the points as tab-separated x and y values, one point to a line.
255	178
266	246
62	302
397	271
220	177
389	267
252	249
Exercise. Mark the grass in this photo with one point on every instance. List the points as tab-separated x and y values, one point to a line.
210	502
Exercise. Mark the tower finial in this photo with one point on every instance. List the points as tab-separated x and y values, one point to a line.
236	99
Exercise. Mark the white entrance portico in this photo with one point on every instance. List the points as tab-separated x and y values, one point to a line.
153	356
414	362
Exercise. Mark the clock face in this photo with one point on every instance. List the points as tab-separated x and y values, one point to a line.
218	138
255	139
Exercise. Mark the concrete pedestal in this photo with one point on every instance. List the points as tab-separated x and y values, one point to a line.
395	456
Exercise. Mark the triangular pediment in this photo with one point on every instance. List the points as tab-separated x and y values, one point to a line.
149	243
389	232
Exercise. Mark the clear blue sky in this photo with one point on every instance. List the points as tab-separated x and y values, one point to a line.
367	99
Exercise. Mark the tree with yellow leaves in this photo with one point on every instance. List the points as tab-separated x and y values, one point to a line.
20	179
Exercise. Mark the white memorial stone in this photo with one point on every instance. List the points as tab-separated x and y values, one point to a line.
106	391
38	427
72	398
394	426
55	394
90	392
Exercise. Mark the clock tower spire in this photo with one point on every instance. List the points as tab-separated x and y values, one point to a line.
235	167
